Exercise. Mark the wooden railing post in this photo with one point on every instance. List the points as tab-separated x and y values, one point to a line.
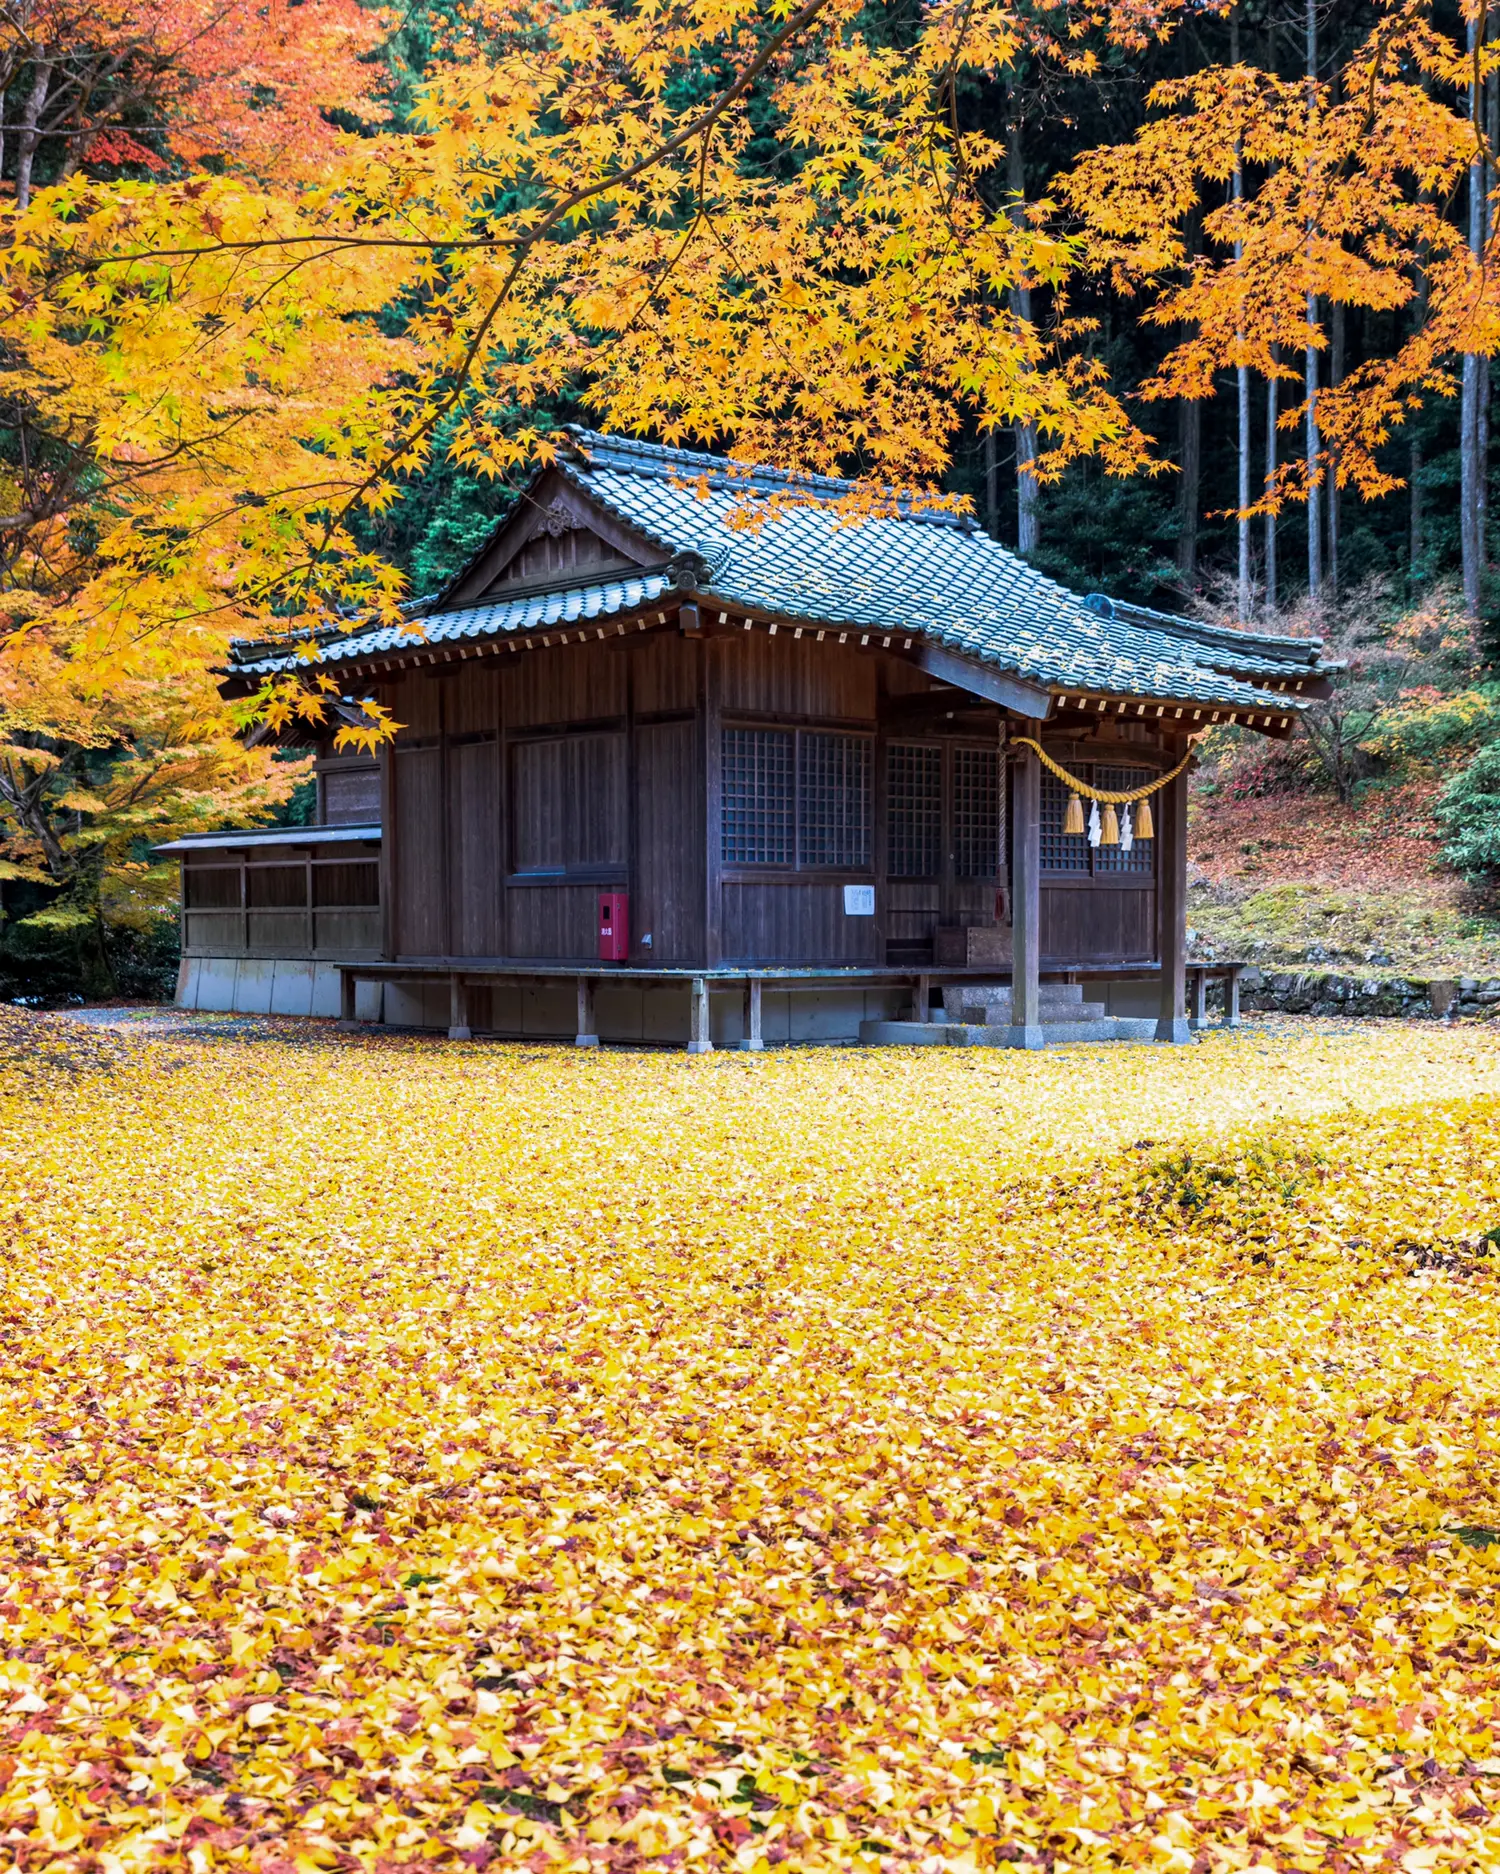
458	1009
700	1036
752	1038
1171	911
588	1033
1026	888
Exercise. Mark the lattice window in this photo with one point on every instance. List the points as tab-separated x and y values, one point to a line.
834	797
1061	852
976	813
759	817
914	810
1115	859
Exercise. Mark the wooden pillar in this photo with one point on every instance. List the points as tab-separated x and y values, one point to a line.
1232	998
347	992
700	1036
388	925
1026	888
458	1009
1198	982
921	1000
1171	910
588	1032
710	656
752	1039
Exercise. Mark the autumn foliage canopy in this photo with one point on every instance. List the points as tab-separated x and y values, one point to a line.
231	350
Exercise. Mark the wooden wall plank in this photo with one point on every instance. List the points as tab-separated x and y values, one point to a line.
417	704
1091	923
420	909
663	675
795	923
787	676
553	922
568	802
575	683
668	884
473	850
470	699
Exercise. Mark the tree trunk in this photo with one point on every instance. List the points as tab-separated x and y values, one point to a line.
1189	493
1271	515
1335	377
1415	544
1470	427
991	486
1310	369
1027	529
1242	377
28	134
1487	228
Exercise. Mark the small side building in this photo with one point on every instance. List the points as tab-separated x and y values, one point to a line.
665	776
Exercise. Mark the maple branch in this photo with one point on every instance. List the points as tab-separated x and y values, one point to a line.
524	244
700	125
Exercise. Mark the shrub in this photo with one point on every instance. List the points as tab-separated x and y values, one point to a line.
1423	724
1469	810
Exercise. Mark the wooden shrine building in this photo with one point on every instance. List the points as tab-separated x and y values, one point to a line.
664	777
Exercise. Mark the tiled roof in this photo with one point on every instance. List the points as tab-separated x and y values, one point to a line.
1222	646
932	575
575	605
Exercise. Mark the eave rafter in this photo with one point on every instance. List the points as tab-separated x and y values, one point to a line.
695	614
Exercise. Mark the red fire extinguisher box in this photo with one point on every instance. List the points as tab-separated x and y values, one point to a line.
614	926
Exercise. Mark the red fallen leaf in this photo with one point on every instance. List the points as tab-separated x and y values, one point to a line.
1015	1516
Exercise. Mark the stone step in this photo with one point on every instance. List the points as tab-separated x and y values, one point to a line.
977	1035
994	1010
1054	995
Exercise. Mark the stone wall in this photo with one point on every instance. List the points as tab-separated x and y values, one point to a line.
1316	992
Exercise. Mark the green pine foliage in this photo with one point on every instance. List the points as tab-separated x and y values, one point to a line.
1469	810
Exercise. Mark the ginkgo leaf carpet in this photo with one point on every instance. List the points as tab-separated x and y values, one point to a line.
418	1454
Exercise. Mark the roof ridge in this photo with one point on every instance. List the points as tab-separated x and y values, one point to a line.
1227	637
628	455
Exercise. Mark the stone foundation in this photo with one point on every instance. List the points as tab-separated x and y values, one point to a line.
1316	992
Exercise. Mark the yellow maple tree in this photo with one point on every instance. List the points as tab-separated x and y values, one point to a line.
254	364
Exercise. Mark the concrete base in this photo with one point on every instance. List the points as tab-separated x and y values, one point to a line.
624	1012
270	986
910	1035
983	1035
1176	1030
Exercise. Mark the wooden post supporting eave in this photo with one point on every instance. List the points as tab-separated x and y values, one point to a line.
1026	889
752	1040
700	1036
587	1035
458	1009
1171	911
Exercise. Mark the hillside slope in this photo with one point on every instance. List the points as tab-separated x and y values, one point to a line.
1298	879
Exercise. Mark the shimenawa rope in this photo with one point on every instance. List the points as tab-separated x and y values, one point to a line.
1103	794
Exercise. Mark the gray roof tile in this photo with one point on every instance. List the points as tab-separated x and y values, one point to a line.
932	575
573	605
